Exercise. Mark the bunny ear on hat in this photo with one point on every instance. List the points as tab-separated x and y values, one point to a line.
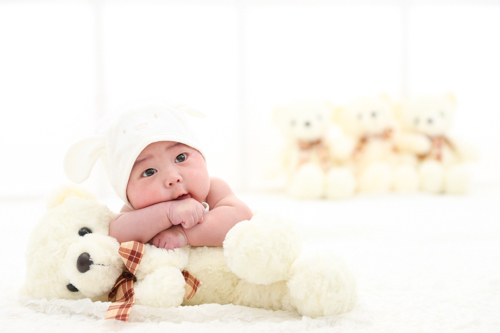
82	156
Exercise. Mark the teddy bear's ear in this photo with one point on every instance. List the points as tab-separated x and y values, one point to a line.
81	157
452	98
337	114
332	108
386	98
58	195
278	114
398	110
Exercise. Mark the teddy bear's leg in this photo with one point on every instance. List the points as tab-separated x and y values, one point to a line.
377	177
262	250
406	178
308	182
432	176
322	285
165	288
340	183
457	179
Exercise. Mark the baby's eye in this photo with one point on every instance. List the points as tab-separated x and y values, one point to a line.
149	172
180	158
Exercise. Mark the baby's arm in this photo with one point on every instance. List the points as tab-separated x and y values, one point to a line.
143	224
225	211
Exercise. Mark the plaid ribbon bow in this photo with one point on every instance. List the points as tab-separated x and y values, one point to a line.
123	291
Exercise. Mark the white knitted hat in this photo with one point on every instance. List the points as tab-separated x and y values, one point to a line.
124	138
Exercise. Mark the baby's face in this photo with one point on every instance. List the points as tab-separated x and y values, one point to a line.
166	171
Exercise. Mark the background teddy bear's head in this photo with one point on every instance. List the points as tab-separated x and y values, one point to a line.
367	116
303	120
70	254
428	114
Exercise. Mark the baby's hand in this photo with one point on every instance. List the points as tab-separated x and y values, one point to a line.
170	239
187	212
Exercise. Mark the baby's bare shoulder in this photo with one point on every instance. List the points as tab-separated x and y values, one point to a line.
219	189
218	185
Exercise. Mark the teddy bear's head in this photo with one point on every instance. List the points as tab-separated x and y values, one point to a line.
303	120
367	116
70	254
428	114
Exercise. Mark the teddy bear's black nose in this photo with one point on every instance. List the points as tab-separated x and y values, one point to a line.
83	263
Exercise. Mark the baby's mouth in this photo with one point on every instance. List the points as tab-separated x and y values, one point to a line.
184	196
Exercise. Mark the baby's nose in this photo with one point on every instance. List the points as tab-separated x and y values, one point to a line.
172	178
174	181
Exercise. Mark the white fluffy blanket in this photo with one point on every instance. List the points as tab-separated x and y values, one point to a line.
424	263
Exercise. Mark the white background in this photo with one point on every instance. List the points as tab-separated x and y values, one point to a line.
64	64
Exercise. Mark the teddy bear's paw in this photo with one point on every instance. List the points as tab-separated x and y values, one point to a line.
432	176
340	184
421	144
378	177
457	180
262	250
155	257
308	182
342	148
322	285
164	288
406	179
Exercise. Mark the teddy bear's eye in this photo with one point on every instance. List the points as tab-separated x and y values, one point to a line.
71	288
374	114
83	231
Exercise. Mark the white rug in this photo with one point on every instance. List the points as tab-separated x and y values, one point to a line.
424	263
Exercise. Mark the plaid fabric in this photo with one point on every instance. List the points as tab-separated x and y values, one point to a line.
192	285
123	290
131	253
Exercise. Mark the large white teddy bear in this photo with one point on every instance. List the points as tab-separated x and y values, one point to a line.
306	154
367	147
71	256
426	122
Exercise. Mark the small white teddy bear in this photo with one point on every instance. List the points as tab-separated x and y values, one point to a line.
306	156
426	122
367	147
71	256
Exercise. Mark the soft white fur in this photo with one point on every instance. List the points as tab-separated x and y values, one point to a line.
376	167
423	118
309	121
260	264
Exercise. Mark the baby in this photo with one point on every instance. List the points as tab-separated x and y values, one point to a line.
155	164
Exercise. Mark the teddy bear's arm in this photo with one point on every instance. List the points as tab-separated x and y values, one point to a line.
342	148
415	143
465	151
